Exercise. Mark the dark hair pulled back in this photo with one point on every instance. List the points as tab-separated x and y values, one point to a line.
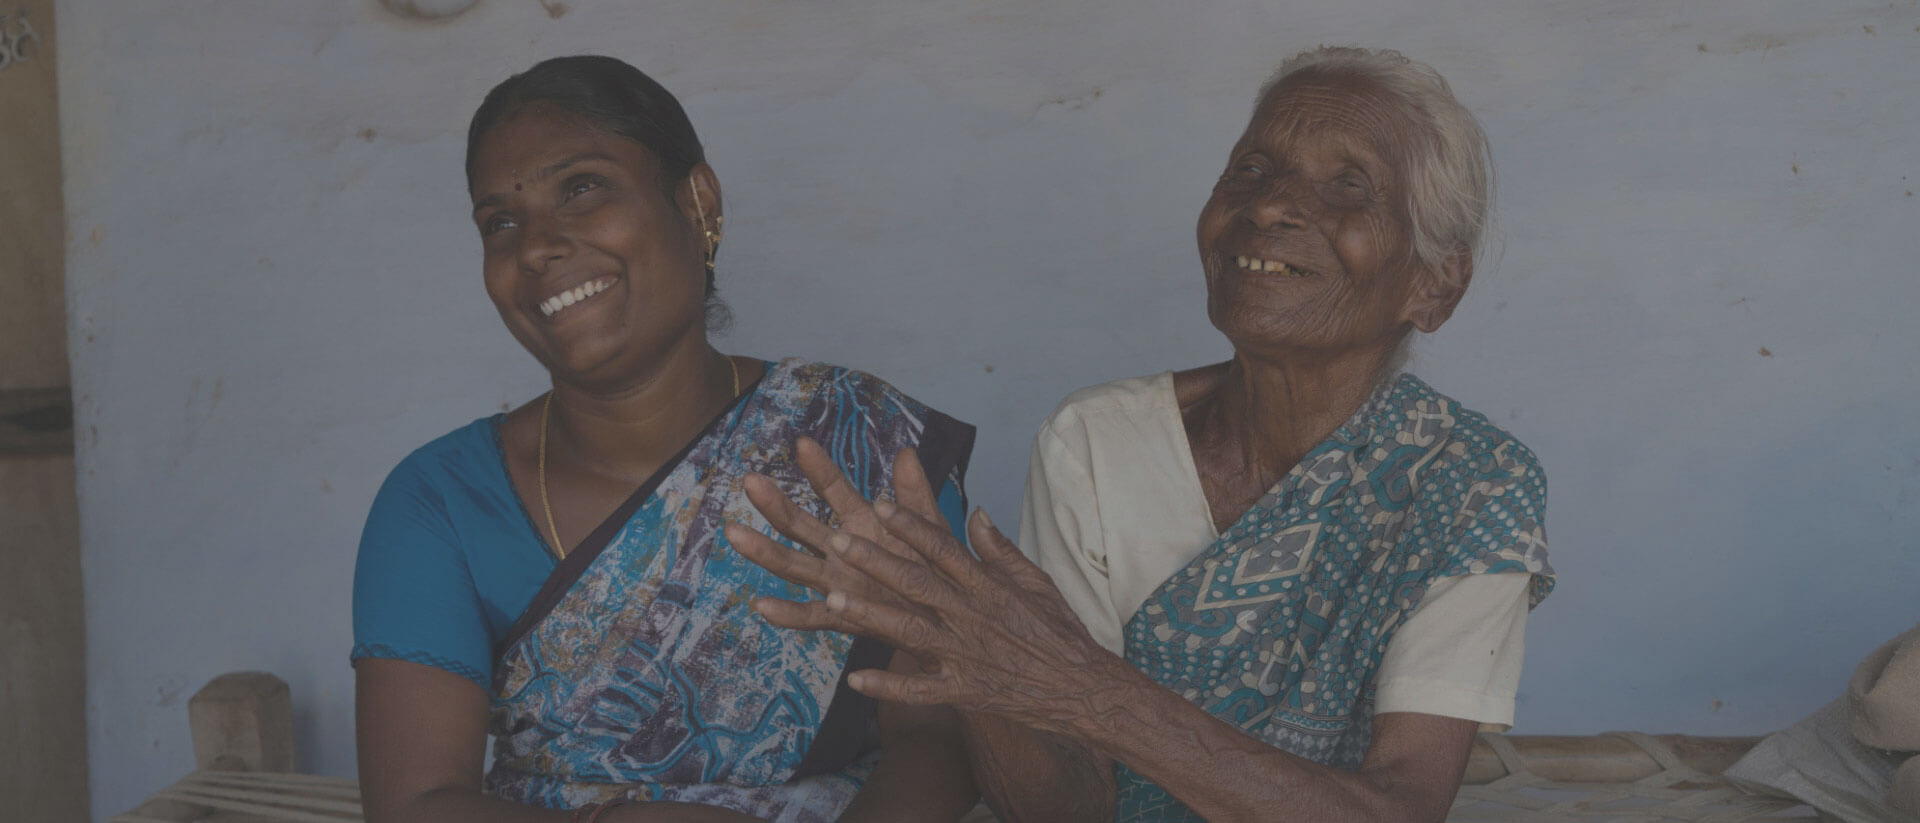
606	94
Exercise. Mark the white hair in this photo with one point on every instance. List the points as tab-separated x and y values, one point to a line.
1450	171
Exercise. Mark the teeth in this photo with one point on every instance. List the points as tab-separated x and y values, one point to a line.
554	304
1268	266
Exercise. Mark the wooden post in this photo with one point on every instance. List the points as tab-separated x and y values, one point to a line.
43	709
243	722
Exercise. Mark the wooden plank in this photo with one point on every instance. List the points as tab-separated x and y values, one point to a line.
1602	759
43	710
36	422
33	240
159	810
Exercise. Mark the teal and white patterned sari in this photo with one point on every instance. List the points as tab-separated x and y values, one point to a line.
1279	626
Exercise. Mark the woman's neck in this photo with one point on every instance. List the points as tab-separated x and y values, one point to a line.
628	431
1272	410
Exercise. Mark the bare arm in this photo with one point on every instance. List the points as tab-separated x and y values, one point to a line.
422	738
1025	774
1045	706
1411	771
922	774
1006	647
1242	780
1031	775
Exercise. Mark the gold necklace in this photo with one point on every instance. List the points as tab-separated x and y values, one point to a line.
546	409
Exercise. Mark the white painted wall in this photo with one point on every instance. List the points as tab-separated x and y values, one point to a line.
275	293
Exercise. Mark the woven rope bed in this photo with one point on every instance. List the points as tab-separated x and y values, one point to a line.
1619	777
243	742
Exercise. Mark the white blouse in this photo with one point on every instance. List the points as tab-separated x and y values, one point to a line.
1114	507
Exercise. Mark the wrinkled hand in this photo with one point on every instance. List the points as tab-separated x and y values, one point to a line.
824	570
993	634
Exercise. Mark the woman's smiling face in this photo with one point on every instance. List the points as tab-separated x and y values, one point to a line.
1306	240
589	259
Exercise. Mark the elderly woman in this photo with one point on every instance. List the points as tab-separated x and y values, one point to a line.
555	575
1290	586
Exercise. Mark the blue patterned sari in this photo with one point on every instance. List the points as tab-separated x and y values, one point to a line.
1279	626
641	671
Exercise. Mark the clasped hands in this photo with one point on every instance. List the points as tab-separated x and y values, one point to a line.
991	634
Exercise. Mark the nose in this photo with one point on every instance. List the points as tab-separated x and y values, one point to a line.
1286	203
544	242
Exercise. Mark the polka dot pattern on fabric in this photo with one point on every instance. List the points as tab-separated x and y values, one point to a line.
1315	577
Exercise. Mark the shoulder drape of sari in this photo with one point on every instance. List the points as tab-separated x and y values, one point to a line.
642	671
1279	625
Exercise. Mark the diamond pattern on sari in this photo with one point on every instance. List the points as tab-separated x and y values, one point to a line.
1278	626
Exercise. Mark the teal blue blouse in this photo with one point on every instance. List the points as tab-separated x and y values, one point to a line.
449	557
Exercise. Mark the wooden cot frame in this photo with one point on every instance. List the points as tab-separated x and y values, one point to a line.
242	725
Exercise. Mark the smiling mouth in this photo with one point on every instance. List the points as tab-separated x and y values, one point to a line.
576	295
1255	264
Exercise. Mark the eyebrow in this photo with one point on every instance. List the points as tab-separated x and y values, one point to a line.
1365	163
556	168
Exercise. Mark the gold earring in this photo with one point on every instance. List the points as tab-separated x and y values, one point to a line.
713	236
713	239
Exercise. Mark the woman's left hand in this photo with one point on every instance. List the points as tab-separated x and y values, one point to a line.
993	635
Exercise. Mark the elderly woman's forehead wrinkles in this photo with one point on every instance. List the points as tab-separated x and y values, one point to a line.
1276	129
1329	138
1292	112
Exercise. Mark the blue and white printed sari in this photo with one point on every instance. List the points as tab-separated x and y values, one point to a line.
641	671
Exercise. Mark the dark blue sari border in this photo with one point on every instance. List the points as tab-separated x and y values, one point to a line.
568	570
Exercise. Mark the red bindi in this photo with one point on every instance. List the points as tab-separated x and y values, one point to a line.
516	187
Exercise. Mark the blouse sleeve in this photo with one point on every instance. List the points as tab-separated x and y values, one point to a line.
413	595
1459	652
1060	531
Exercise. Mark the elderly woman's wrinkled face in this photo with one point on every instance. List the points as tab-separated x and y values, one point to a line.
1306	241
592	264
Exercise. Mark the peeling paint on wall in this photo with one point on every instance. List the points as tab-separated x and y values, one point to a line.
428	9
19	40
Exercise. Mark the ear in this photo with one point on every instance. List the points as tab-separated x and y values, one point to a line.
1437	290
699	198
